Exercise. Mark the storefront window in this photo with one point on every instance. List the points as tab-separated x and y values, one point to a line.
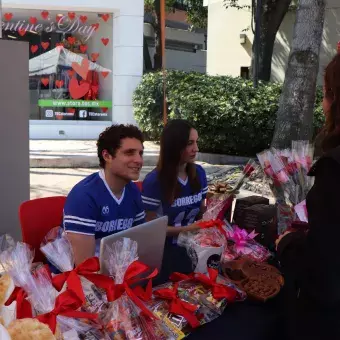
70	66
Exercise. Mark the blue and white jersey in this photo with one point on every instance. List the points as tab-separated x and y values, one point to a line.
92	209
185	208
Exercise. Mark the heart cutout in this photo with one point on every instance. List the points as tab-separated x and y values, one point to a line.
33	20
71	40
78	91
45	14
105	109
83	48
8	16
71	110
70	73
95	56
105	41
71	15
104	74
83	18
45	81
34	48
95	26
45	45
59	83
83	68
105	17
22	31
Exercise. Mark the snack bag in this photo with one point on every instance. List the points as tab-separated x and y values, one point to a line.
83	280
128	317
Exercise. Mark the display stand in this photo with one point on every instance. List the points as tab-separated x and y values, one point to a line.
14	134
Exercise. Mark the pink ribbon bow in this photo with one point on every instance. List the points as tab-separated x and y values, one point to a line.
241	238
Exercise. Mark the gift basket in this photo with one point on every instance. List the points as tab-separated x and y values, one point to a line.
85	282
219	203
128	317
287	174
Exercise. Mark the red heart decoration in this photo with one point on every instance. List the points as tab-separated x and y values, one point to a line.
105	74
105	17
70	73
45	81
58	17
78	91
71	15
8	16
83	18
96	26
22	31
45	45
105	41
45	14
71	40
34	48
33	20
105	109
83	48
71	110
95	56
59	83
83	68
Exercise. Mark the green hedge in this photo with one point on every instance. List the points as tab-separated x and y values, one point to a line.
231	116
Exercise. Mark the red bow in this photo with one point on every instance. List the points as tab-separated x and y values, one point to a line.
66	304
88	270
175	277
23	308
131	277
213	223
178	306
219	291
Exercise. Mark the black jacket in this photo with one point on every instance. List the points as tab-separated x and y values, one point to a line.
311	262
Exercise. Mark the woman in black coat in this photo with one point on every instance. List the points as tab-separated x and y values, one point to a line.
311	262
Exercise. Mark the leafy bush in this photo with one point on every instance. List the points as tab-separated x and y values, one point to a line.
231	116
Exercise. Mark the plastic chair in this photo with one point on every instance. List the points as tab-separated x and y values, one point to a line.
37	217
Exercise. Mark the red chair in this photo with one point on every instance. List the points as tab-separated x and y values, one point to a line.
37	217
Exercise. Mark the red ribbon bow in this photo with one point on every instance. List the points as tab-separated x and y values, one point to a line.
213	223
219	291
66	304
131	277
178	306
88	270
23	307
175	277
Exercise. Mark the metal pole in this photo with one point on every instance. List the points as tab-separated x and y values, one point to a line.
257	41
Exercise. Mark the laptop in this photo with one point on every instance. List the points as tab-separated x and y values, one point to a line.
150	238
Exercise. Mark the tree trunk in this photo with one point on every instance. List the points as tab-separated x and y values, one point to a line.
295	114
157	65
272	16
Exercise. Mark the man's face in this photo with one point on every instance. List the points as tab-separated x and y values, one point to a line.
128	161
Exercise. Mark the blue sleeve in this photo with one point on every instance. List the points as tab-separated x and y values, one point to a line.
151	195
203	179
80	213
140	215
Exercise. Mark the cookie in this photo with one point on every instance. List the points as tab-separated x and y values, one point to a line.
5	283
260	289
29	329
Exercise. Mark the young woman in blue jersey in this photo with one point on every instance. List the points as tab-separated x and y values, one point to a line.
106	201
177	188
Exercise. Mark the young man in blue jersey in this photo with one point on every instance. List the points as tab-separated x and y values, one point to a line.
107	201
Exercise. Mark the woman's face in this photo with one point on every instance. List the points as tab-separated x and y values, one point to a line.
190	152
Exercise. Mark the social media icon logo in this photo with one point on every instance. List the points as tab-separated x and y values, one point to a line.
82	113
49	113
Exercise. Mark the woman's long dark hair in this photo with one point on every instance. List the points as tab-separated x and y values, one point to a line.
331	130
174	140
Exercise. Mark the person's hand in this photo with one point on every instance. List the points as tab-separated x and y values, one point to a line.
192	227
281	237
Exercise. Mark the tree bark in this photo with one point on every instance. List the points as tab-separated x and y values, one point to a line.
157	65
295	114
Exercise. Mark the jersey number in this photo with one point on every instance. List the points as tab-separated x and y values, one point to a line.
190	217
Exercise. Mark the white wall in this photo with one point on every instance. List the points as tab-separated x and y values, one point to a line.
127	65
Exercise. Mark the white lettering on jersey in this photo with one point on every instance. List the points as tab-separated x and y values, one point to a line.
114	225
182	201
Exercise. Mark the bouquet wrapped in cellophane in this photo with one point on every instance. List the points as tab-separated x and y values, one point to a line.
127	316
286	172
84	280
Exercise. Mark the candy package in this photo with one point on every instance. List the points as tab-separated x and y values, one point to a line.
88	285
127	316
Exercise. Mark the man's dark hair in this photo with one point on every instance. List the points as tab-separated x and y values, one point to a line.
110	139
